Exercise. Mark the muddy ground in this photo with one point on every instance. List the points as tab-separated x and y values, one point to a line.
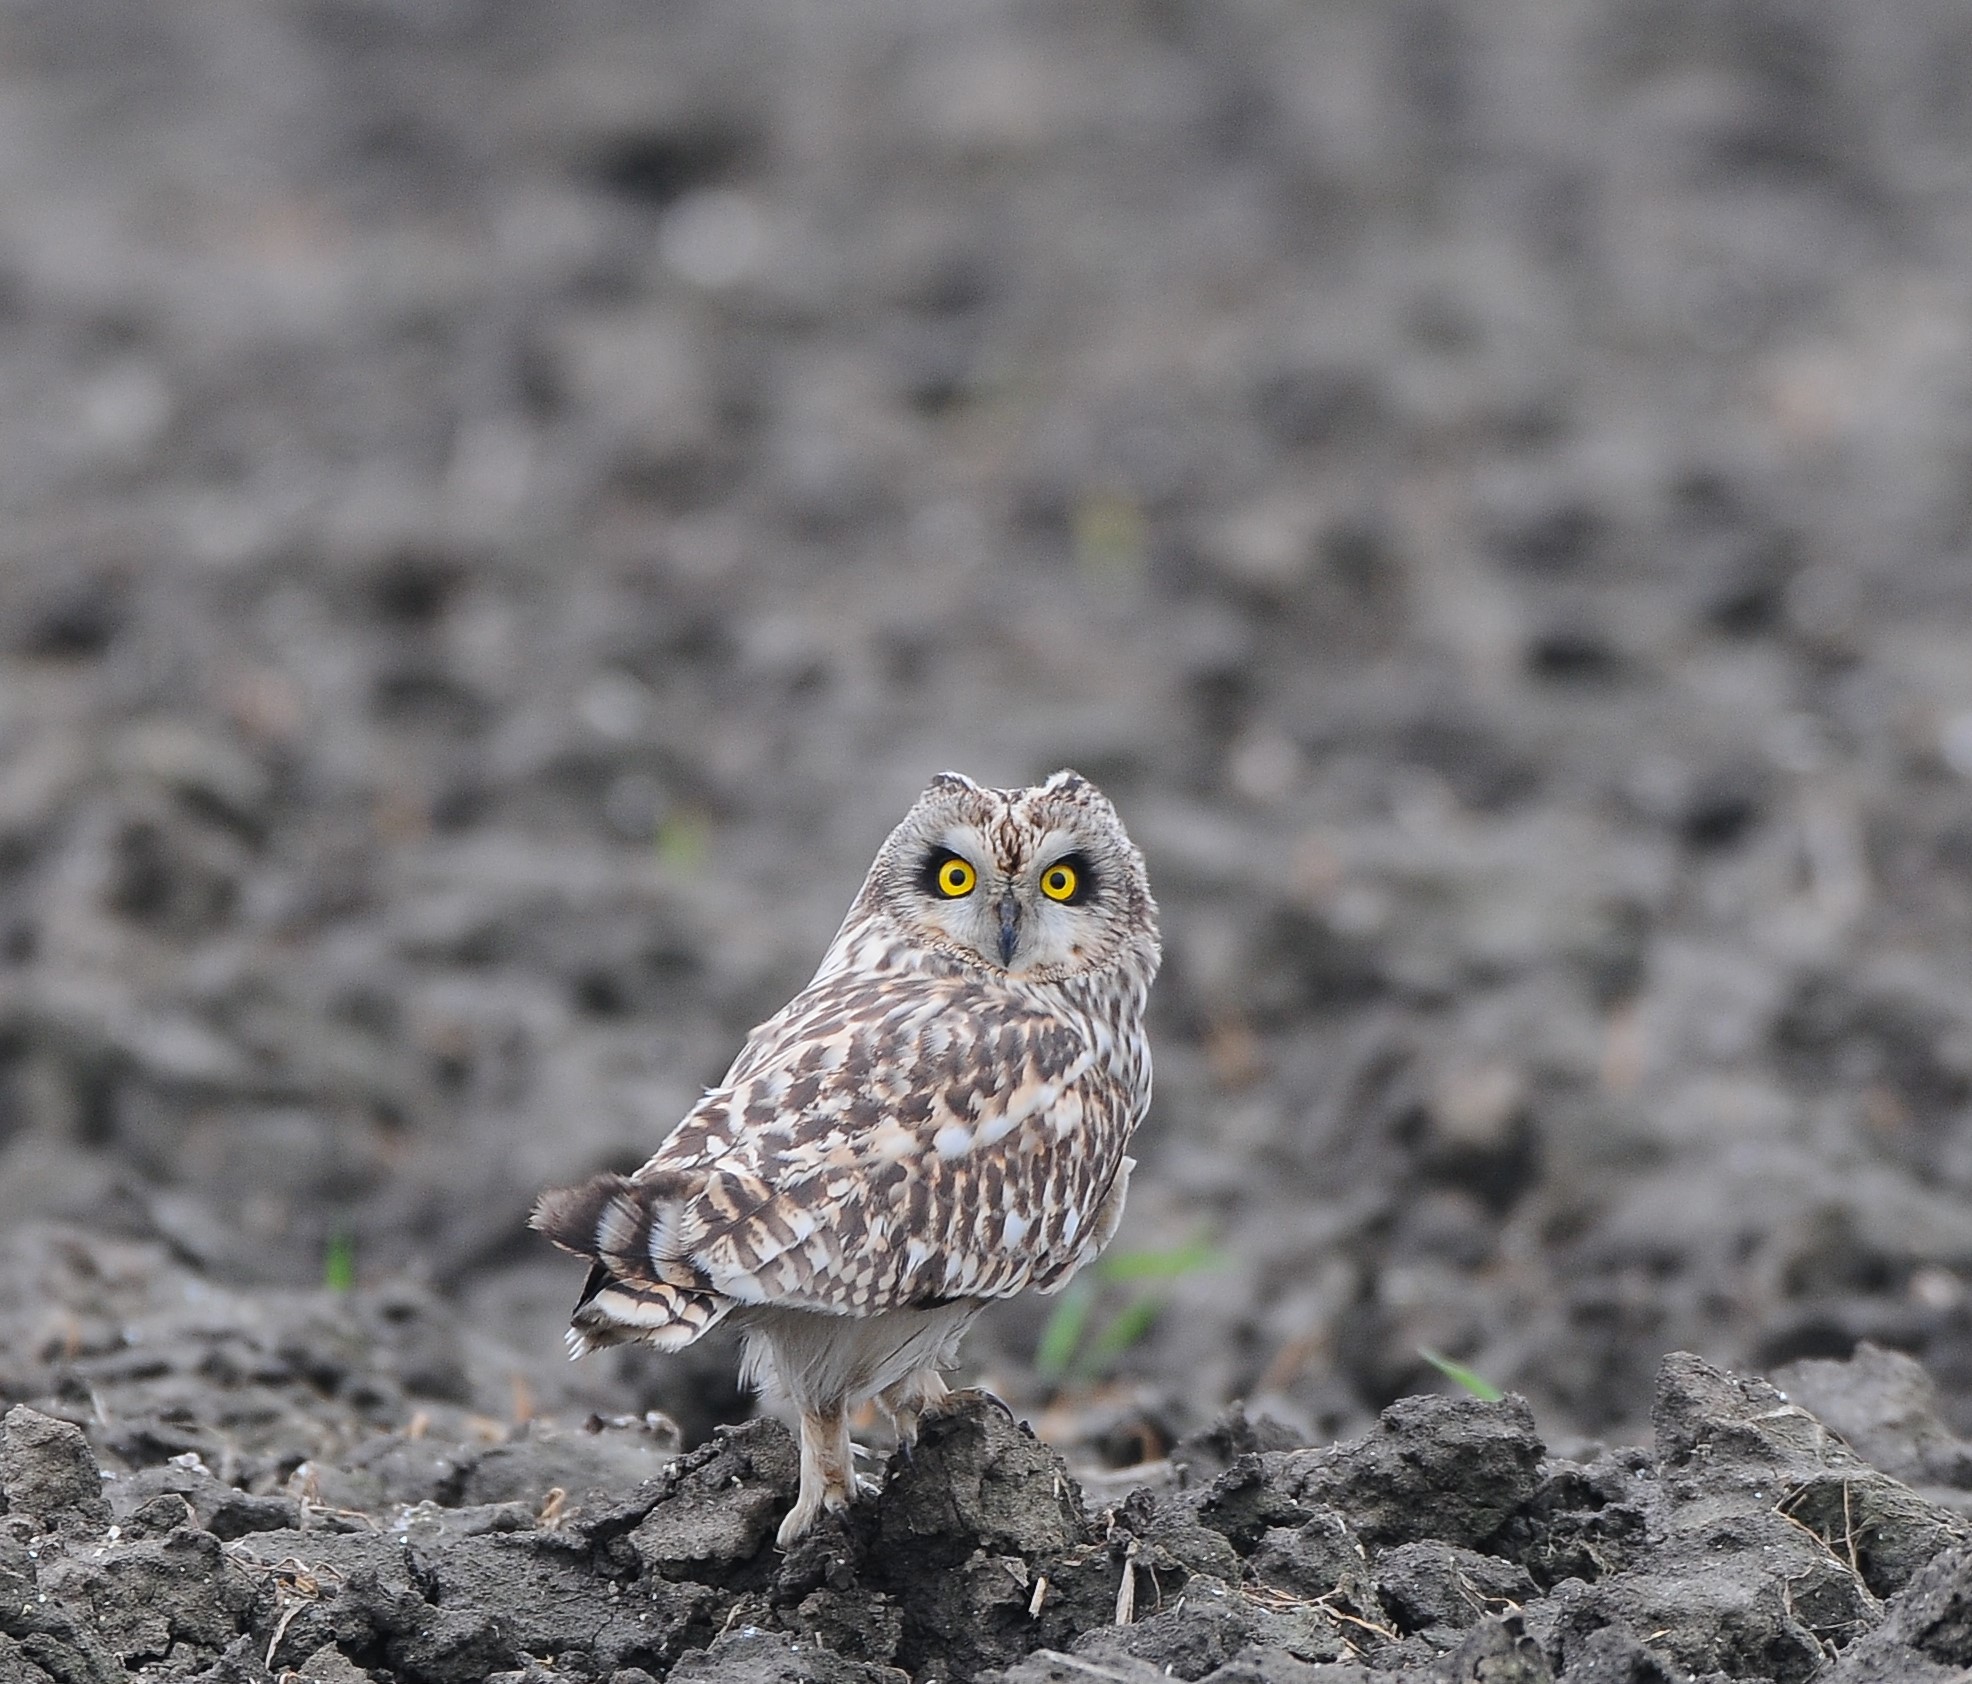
503	508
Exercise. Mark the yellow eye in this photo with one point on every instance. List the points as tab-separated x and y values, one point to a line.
1059	882
956	879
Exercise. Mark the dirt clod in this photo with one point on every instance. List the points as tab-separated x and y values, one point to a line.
1443	1468
47	1472
1446	1544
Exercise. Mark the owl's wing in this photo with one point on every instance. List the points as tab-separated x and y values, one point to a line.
894	1146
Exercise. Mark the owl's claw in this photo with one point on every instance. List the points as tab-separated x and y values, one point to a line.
967	1395
862	1484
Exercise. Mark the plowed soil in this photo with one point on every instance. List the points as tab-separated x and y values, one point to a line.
504	506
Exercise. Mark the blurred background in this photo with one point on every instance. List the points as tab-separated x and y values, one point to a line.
505	505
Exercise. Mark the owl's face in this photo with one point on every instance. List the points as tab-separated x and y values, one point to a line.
1038	882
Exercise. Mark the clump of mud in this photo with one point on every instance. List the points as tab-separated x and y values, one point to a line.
1747	1542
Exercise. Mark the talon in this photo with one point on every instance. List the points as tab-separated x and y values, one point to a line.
971	1394
802	1517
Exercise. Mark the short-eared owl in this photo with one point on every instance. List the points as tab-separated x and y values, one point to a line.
938	1119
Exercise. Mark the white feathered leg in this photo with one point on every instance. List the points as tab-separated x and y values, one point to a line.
827	1472
828	1366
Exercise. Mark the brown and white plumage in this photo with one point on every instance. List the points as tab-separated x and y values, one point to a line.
938	1119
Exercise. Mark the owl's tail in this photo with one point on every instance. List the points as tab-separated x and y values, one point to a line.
619	1224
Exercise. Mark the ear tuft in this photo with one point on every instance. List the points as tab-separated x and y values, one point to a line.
953	783
1067	782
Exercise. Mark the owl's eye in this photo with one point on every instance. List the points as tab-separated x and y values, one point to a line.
1061	881
955	879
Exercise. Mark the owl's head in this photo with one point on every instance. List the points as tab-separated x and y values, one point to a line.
1040	882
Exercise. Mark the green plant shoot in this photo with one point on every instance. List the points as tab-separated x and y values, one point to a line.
1072	1347
339	1262
1478	1385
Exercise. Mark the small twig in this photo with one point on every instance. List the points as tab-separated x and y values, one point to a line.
1785	1509
281	1629
296	1584
1371	1626
1849	1532
1040	1595
1271	1597
1126	1590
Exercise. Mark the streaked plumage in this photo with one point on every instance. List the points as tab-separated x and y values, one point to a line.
938	1119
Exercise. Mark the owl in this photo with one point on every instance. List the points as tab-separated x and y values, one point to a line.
940	1118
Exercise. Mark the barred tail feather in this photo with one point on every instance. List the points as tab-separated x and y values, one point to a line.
645	1312
620	1225
572	1216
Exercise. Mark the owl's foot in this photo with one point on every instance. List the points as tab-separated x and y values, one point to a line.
907	1402
828	1473
867	1485
949	1401
932	1398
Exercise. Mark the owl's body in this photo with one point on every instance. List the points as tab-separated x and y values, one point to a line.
938	1119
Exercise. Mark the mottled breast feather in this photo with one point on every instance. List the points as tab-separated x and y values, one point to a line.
900	1139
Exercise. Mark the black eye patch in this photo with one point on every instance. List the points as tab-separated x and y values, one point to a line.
945	876
1070	880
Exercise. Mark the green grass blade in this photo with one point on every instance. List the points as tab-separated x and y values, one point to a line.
1480	1387
1062	1337
684	841
339	1262
1170	1264
1125	1329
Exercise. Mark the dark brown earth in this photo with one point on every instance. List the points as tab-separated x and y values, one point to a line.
505	505
1447	1544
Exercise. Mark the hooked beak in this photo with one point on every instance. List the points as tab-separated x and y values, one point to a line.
1009	911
